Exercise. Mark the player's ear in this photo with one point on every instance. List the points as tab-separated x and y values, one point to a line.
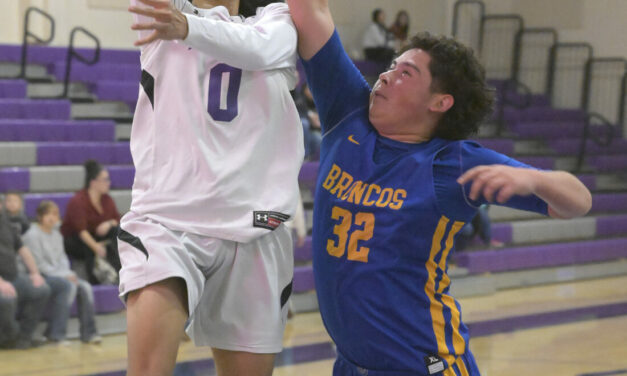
441	103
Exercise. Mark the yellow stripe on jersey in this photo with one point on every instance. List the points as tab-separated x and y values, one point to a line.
437	317
462	366
458	341
437	312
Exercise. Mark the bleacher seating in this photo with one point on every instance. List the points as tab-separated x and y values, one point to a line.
42	148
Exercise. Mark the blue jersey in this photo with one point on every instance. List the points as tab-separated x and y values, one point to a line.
386	215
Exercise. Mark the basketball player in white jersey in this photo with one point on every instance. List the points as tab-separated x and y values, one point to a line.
217	146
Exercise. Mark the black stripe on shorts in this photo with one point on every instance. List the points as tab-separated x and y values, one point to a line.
285	294
132	240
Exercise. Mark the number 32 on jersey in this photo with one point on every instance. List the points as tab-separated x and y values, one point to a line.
350	240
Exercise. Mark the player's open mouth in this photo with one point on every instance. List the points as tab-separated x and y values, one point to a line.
377	93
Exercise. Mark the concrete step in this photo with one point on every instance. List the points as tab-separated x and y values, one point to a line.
123	131
34	72
115	110
77	92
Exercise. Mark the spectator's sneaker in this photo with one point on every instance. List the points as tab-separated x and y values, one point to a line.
95	340
7	345
37	341
61	342
22	344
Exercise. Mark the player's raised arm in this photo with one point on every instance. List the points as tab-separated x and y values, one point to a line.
268	43
314	24
565	195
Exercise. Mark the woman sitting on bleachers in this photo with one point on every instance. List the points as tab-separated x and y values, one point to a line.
46	244
90	225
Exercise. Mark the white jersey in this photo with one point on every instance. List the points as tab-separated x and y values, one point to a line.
216	138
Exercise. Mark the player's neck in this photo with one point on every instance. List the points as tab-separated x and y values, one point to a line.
231	5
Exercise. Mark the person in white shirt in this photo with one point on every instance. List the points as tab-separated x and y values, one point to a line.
46	244
217	147
378	41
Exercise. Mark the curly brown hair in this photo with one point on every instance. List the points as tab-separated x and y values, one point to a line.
456	71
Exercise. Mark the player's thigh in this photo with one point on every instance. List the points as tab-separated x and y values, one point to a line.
156	316
240	363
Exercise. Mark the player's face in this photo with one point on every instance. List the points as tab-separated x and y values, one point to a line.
401	100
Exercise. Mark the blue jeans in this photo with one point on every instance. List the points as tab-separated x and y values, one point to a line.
61	292
86	311
9	329
30	303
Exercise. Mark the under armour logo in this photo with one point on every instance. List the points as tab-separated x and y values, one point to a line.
433	359
269	219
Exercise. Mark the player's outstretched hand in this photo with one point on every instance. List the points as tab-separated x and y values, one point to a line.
507	181
168	22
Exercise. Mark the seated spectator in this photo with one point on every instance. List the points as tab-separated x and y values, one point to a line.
480	225
400	29
310	121
90	225
14	207
19	292
378	42
46	244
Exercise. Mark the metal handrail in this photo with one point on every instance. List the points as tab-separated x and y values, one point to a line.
456	11
553	64
515	17
600	138
588	76
518	45
27	33
71	54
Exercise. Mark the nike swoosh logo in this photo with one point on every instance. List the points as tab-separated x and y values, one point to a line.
351	139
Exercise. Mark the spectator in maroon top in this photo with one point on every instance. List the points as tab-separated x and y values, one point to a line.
90	224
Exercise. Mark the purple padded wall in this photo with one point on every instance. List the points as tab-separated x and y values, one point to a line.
12	88
34	109
14	179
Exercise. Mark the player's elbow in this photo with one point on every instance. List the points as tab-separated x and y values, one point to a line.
578	206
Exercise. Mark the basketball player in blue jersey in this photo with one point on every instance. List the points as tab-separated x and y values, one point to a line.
396	184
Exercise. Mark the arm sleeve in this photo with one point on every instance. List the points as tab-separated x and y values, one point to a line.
336	84
459	157
268	42
33	243
17	241
110	210
75	216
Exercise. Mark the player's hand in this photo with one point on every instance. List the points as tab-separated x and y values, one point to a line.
100	250
72	278
507	181
106	226
37	279
169	23
7	290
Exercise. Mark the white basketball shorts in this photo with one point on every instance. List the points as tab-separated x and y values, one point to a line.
237	293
